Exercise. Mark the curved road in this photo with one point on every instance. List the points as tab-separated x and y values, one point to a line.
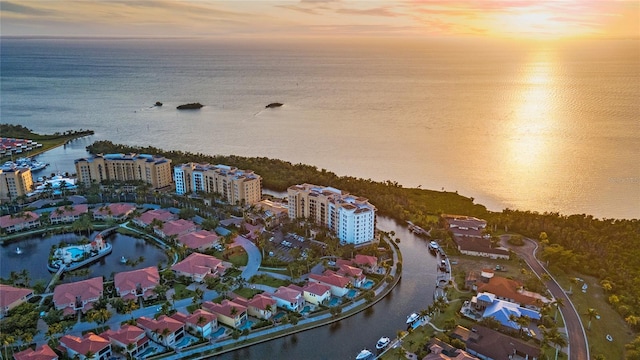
578	346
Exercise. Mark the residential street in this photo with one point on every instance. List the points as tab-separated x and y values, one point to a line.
578	348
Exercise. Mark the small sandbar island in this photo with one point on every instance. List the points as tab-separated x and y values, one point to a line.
75	256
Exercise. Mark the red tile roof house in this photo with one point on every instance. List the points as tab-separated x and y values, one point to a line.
316	293
90	346
509	290
260	306
129	340
131	285
79	295
17	222
339	284
229	312
68	214
42	353
200	322
11	297
289	298
165	330
147	218
197	266
367	263
199	240
175	227
354	274
116	211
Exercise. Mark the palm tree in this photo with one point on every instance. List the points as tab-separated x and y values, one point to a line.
165	333
591	313
558	303
6	341
556	339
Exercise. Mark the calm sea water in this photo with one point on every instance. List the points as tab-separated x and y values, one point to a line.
547	127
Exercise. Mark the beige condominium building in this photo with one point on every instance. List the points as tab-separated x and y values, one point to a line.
352	218
14	182
234	185
152	169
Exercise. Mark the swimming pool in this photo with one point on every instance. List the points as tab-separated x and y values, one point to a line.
278	316
218	333
246	325
148	351
183	342
306	309
352	293
368	284
334	301
75	252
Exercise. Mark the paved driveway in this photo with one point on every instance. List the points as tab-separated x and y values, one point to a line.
578	346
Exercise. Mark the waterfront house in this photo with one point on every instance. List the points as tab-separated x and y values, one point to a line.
131	339
486	343
354	274
502	310
367	263
197	266
228	312
79	295
115	211
43	352
476	246
462	225
148	217
175	228
10	297
316	293
164	330
200	322
20	221
289	298
131	285
88	347
260	306
504	289
68	214
439	350
339	284
199	240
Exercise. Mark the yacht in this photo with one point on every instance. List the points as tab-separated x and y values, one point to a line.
412	318
18	250
433	246
123	260
365	355
383	343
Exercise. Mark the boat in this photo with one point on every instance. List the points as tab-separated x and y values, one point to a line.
412	318
30	163
18	250
382	343
365	355
433	246
123	260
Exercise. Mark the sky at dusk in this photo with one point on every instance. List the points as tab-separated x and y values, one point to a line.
526	19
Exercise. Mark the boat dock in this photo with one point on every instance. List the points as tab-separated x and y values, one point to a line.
417	229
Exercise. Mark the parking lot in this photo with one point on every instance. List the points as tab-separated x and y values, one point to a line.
283	245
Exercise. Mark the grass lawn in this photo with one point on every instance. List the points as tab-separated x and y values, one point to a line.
269	281
610	321
239	258
182	292
466	263
247	292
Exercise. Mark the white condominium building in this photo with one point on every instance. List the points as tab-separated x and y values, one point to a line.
234	185
352	218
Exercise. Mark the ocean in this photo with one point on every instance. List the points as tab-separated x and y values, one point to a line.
541	127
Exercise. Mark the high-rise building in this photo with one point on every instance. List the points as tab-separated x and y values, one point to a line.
152	169
15	182
234	185
351	218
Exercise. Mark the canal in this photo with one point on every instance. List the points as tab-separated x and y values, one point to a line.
344	339
36	248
